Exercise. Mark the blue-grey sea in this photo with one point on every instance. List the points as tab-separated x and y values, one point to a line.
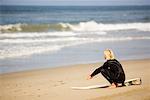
36	37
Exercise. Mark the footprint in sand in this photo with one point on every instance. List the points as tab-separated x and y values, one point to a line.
61	82
38	96
16	90
58	83
46	93
55	85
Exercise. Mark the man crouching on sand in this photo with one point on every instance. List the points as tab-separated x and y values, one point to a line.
112	70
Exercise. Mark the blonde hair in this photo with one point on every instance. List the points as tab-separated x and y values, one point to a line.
109	54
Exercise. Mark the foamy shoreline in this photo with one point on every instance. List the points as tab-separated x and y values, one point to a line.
55	83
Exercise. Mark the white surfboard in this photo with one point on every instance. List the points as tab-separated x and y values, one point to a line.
90	87
134	81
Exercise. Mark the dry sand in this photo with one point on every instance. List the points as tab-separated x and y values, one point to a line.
55	83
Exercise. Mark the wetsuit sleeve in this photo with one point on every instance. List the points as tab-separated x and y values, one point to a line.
98	70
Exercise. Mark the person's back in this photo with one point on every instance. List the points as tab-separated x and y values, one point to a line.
116	68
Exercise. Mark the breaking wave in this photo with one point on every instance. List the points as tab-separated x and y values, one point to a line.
93	26
82	26
18	40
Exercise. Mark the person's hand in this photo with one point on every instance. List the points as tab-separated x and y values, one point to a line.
89	77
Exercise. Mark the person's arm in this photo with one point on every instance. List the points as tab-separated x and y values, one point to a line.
98	70
94	73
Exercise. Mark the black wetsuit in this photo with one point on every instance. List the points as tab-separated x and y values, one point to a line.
112	70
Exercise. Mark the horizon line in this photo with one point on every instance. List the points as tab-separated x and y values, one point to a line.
69	5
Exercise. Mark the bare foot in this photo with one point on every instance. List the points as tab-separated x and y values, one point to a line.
113	85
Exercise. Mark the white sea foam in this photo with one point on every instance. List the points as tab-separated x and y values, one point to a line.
23	50
44	34
94	26
40	40
35	34
66	39
27	44
16	27
26	51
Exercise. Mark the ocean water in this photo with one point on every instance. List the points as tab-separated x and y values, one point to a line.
34	37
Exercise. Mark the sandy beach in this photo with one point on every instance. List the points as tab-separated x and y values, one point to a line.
55	83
